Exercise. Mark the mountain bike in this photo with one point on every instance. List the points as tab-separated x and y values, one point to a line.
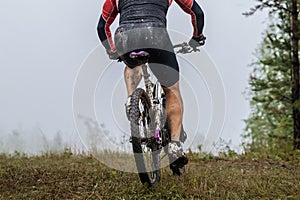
149	127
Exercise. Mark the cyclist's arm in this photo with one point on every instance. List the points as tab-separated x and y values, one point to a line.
192	7
109	13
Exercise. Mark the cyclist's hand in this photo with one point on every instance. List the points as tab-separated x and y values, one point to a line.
113	55
197	41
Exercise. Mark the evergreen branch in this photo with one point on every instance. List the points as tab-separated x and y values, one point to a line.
266	4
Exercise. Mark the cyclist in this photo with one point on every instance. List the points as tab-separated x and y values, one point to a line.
142	26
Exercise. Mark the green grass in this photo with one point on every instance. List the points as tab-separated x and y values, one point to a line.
67	176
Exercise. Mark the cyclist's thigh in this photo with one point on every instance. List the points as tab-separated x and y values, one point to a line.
165	67
163	62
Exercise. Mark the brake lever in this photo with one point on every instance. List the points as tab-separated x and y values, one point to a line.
185	48
196	49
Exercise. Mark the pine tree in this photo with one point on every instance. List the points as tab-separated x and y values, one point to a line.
274	82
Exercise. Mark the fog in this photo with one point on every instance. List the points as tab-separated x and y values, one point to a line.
44	43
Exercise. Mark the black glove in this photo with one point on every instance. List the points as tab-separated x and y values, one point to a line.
197	41
113	55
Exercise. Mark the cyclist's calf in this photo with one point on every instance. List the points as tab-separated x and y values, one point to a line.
174	109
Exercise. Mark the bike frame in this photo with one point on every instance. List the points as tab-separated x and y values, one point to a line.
157	98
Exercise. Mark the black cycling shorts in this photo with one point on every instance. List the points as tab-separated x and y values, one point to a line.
155	40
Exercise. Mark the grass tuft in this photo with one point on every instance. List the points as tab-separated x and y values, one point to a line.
69	176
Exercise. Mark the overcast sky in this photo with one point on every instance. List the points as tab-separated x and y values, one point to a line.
43	44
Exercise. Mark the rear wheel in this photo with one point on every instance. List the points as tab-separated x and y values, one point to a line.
145	149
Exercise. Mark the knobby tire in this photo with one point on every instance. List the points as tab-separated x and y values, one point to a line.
140	96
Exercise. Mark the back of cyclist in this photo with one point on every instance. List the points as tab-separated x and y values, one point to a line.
142	26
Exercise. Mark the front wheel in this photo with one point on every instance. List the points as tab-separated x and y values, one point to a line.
146	152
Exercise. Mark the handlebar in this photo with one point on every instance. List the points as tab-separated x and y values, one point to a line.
184	48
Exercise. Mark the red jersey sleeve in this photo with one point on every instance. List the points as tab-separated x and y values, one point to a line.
109	13
192	7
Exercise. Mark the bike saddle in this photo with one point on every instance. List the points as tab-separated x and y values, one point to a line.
139	55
